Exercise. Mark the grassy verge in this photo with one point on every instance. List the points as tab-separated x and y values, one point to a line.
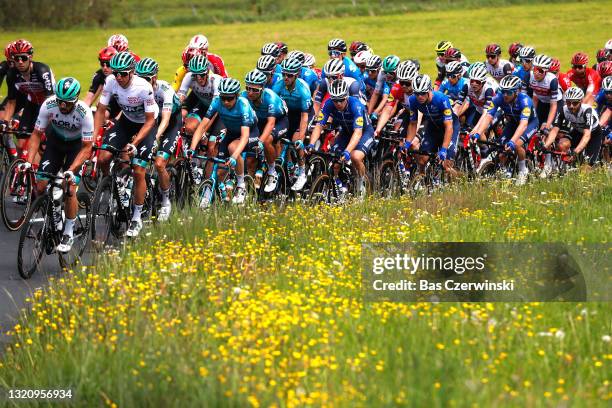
264	308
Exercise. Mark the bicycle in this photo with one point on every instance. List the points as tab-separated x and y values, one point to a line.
42	230
490	168
338	183
396	171
431	178
468	154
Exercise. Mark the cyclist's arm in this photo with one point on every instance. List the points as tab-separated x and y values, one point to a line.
605	117
244	140
9	109
552	113
386	114
303	125
381	105
100	117
552	135
163	124
373	100
354	139
460	109
145	129
269	127
316	133
483	123
584	141
412	130
33	144
520	129
448	133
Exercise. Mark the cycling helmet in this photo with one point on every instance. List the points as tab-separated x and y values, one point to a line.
602	55
282	47
198	65
373	63
362	57
106	53
452	54
514	49
309	60
580	58
493	49
421	84
608	45
336	44
333	67
574	94
122	61
338	90
270	49
299	55
478	73
67	90
199	42
475	65
606	84
454	68
542	61
510	83
357	46
118	42
527	53
147	68
604	69
291	65
416	63
442	46
7	51
266	64
229	86
390	63
255	77
555	65
188	54
21	47
407	71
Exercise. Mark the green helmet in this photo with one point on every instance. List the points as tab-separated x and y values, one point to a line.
147	67
229	86
390	63
67	89
122	61
291	65
198	64
256	77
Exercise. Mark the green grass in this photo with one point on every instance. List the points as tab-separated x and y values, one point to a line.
556	29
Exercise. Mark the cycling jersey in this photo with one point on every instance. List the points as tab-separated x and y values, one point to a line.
585	118
397	95
452	91
75	125
4	68
37	87
479	101
601	102
134	101
216	64
523	75
166	98
311	78
372	85
546	90
206	93
564	81
234	119
590	82
298	99
520	109
503	68
436	111
353	86
354	116
269	104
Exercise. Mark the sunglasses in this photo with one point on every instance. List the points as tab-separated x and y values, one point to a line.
338	101
65	104
508	92
148	79
334	53
21	58
421	93
288	75
607	93
104	63
253	89
579	66
229	98
453	75
335	77
121	73
491	56
538	70
573	103
405	83
526	60
372	70
201	75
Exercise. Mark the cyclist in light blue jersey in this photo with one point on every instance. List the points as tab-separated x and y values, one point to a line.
267	64
453	84
306	74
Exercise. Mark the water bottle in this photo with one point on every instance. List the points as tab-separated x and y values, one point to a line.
258	178
57	194
229	188
223	191
290	169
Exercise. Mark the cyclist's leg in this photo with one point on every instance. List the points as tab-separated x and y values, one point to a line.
70	151
167	148
116	136
593	148
139	165
362	149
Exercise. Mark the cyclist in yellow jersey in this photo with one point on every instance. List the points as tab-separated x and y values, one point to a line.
188	54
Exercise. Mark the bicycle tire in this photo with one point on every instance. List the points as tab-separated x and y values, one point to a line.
37	215
15	220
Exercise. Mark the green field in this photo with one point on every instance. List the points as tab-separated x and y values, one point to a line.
264	307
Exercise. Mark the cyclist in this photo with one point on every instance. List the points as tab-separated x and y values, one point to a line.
440	49
267	65
33	80
476	94
543	87
188	54
68	126
521	121
136	129
526	55
600	56
441	124
6	64
496	66
310	62
200	43
120	43
370	80
564	81
332	70
581	125
241	124
454	82
336	48
513	53
97	83
272	120
356	47
284	50
168	129
356	134
606	109
385	79
584	77
296	94
307	74
360	59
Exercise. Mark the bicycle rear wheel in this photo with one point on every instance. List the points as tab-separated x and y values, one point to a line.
389	183
35	239
323	191
107	218
16	196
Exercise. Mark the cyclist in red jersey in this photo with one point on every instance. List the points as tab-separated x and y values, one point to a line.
584	77
563	78
120	43
200	42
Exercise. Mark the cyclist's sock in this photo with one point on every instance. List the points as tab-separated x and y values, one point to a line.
522	164
271	170
240	180
165	197
69	226
548	160
137	211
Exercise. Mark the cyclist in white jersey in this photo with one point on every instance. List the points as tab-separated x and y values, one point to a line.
136	129
496	66
68	125
475	95
543	87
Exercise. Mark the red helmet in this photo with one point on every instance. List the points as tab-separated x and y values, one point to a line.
602	55
357	46
493	49
514	49
580	58
555	66
284	49
7	51
21	47
189	53
604	69
119	42
106	53
452	54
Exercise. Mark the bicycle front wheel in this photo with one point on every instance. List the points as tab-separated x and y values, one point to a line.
35	239
17	189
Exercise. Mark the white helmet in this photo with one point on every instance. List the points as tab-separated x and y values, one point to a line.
362	57
407	71
421	84
118	41
606	84
333	67
608	45
574	94
478	73
309	60
542	61
199	42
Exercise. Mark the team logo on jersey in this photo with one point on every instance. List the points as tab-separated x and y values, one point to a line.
133	99
320	117
526	111
359	121
447	112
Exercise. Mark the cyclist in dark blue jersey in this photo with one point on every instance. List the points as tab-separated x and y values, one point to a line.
336	48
